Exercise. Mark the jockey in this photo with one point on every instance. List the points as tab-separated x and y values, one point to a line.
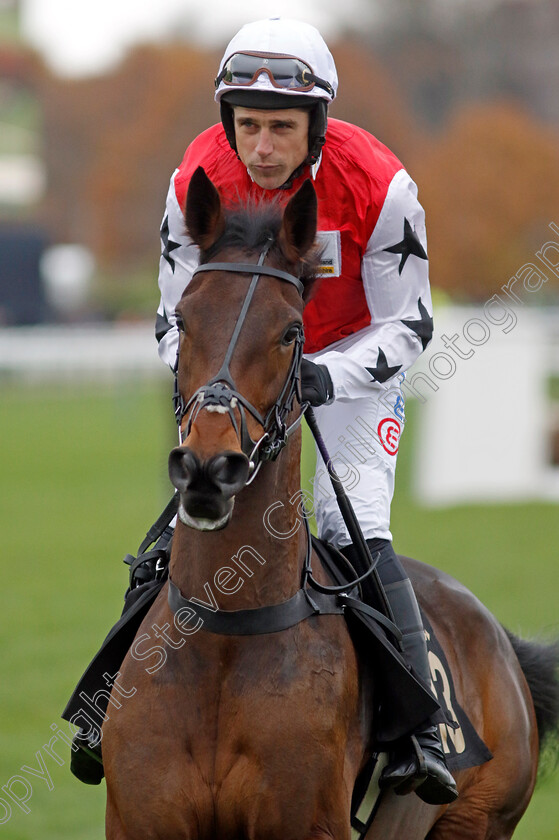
370	316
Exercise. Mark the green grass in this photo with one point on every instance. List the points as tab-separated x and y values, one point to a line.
83	474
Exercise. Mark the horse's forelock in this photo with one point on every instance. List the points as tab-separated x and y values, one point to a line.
249	227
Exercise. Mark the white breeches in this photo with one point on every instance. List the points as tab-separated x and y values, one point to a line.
362	437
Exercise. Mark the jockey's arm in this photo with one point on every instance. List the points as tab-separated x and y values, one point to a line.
179	258
396	283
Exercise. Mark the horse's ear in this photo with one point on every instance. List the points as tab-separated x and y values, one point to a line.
203	212
298	227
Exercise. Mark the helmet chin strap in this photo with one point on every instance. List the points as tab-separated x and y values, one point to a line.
295	174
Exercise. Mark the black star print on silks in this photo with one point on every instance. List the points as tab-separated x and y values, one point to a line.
422	328
382	372
409	246
162	326
168	243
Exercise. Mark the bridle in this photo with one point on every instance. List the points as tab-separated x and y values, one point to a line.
220	393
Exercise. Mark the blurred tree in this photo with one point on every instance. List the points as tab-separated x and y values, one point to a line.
369	98
442	53
512	52
111	144
490	186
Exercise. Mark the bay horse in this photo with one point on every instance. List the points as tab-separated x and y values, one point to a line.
262	735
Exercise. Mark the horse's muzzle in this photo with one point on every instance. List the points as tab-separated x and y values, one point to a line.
207	488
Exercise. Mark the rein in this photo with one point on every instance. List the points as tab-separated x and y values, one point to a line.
220	393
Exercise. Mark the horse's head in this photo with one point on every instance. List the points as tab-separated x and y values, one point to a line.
241	340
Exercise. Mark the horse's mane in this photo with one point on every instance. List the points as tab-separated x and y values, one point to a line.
249	226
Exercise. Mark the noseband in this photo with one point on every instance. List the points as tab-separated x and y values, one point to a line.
220	394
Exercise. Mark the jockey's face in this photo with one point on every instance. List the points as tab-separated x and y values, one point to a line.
271	144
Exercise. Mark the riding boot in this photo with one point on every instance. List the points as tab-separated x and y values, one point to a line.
417	762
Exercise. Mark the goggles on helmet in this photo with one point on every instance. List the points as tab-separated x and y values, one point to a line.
284	71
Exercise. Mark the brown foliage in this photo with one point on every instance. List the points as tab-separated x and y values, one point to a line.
113	142
369	98
490	187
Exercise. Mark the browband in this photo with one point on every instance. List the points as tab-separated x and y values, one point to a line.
250	268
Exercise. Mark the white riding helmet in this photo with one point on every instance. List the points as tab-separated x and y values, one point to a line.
278	63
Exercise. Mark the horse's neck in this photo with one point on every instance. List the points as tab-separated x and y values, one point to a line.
257	558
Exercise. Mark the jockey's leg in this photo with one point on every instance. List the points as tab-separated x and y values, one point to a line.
417	762
362	438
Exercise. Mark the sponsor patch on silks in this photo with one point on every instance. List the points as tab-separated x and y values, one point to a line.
330	250
389	431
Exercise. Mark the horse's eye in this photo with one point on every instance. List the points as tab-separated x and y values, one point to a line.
179	322
291	334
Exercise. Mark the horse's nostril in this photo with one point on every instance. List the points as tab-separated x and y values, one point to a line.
225	473
184	468
229	471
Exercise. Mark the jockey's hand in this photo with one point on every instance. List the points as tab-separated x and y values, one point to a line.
317	387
